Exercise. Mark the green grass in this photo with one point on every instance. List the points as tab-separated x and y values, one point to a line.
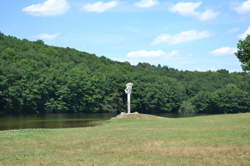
214	140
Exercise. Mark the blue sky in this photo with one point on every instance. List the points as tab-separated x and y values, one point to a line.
187	35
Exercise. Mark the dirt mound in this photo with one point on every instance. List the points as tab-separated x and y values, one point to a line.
136	115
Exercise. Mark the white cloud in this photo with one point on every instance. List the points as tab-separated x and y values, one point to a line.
207	15
48	8
151	53
185	8
190	9
245	34
99	7
181	37
244	7
224	51
146	3
45	36
234	30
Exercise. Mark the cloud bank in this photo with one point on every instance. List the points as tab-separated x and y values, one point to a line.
244	7
189	9
224	51
46	36
146	3
244	35
48	8
181	37
99	7
151	53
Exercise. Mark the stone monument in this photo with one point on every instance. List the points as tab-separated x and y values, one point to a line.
128	91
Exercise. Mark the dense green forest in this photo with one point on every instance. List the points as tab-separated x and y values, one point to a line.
37	78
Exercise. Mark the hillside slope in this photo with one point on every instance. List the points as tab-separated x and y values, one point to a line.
35	77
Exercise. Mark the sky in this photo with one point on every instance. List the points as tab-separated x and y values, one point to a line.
187	35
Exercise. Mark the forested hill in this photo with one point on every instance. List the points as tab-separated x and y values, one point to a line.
37	78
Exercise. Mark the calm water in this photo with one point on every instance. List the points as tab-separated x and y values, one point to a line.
52	121
58	120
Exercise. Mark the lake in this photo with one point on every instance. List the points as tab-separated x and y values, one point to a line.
59	120
52	121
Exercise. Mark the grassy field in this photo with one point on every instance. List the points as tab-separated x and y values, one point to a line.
134	141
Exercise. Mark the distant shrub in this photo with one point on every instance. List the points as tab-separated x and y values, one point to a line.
187	108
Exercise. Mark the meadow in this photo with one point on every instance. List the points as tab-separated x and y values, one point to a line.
135	140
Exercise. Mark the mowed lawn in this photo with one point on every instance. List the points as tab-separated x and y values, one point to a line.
136	140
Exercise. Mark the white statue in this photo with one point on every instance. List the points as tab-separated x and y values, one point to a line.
128	91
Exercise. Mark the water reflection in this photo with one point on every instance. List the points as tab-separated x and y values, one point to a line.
52	121
61	120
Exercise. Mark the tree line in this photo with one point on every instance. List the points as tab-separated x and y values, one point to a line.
37	78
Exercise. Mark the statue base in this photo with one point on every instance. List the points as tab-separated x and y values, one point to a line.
124	114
